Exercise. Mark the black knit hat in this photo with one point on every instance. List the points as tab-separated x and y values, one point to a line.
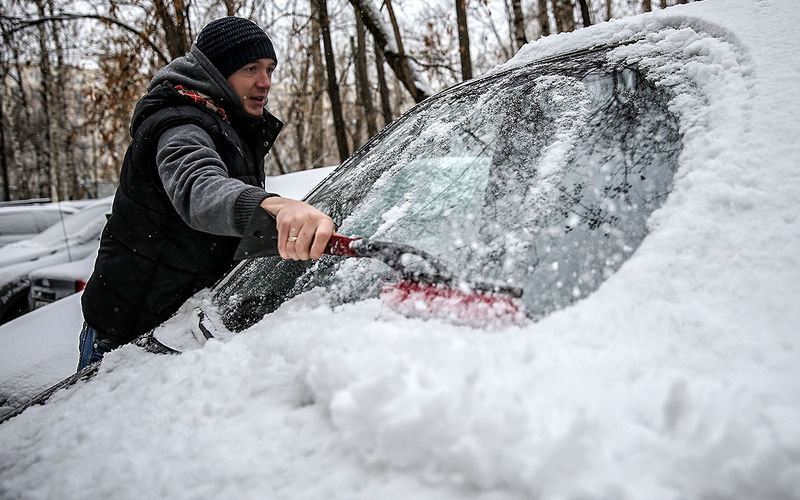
231	42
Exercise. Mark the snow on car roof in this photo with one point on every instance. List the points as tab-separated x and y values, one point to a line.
678	378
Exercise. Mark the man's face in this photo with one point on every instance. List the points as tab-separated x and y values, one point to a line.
251	83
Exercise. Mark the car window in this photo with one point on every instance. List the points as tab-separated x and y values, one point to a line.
541	178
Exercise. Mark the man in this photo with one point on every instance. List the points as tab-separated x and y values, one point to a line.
191	179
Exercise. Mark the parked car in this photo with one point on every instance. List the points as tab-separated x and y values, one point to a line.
73	239
636	179
19	222
55	282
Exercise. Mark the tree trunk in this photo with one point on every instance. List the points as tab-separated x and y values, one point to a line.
6	195
397	60
519	23
176	31
463	40
317	121
564	14
646	6
383	88
587	20
662	4
362	80
333	84
608	10
542	19
47	187
64	153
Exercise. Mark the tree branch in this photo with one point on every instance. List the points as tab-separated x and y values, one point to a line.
18	24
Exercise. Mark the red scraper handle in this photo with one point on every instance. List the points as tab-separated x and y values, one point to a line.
340	245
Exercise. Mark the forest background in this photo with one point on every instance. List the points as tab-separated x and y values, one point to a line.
72	72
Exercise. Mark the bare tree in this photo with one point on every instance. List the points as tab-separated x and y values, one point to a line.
383	88
646	6
542	18
362	80
519	23
317	122
396	58
587	20
333	84
563	11
47	165
174	19
463	40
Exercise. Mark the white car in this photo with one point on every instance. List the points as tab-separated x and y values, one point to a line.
637	179
55	282
65	241
20	222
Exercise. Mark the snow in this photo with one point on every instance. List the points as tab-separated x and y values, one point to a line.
295	185
678	378
39	349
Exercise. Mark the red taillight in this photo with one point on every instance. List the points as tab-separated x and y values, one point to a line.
79	285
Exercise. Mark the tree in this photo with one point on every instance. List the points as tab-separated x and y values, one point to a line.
463	40
362	80
396	58
333	84
519	23
563	12
587	21
542	19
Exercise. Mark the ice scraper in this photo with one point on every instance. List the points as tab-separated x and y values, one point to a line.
429	290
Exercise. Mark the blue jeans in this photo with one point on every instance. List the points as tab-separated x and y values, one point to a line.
90	347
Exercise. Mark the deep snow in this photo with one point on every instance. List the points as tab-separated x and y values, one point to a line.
678	378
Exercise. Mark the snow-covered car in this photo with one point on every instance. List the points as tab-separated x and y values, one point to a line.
55	282
636	179
69	240
20	222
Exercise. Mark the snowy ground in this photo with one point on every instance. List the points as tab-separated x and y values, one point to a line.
679	378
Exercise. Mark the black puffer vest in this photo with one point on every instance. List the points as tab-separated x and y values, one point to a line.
150	261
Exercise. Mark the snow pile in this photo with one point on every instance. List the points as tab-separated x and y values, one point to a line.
678	378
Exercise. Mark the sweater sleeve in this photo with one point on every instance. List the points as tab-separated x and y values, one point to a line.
197	182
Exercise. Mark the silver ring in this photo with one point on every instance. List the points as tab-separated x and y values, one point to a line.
291	238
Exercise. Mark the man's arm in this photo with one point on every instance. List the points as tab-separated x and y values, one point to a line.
197	182
207	199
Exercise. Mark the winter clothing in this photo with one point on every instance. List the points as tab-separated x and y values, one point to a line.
191	178
90	347
231	42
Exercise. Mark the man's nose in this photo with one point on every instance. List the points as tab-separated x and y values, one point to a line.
264	80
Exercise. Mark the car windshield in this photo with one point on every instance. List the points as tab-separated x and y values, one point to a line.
541	178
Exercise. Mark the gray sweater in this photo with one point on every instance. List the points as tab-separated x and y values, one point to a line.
194	176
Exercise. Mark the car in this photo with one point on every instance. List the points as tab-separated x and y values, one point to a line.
71	239
635	179
23	221
55	282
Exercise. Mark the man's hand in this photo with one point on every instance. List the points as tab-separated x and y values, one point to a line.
303	231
